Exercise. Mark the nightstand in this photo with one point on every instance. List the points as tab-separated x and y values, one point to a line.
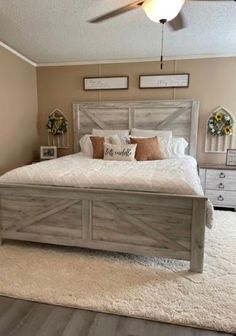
219	184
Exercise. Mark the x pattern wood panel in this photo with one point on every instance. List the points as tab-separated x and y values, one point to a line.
179	116
142	226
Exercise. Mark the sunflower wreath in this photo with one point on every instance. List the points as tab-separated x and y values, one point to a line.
220	123
57	124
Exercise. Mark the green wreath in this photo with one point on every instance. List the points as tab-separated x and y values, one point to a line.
57	124
220	123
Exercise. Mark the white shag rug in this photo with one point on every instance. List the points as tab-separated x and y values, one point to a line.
150	288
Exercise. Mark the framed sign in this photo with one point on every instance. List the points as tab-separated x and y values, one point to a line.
48	152
106	83
164	81
231	157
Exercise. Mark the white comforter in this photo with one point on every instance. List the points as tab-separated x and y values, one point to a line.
173	176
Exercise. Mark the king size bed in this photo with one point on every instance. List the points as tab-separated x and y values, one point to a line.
144	208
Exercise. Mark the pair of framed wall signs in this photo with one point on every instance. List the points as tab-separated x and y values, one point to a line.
145	82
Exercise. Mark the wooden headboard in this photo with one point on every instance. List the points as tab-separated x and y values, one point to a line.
180	116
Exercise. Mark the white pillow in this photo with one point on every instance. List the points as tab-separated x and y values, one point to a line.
102	132
164	139
165	145
86	146
149	133
119	152
178	147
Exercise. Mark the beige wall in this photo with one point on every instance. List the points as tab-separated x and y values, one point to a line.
212	82
18	111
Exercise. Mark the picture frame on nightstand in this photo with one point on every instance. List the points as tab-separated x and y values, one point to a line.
231	157
48	152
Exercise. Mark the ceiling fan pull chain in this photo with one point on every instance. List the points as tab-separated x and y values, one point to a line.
162	41
162	34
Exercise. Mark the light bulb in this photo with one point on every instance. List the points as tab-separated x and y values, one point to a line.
158	10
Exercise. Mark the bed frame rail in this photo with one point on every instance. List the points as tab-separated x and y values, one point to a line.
142	223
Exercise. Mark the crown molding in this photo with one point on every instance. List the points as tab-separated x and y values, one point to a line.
117	61
136	60
13	51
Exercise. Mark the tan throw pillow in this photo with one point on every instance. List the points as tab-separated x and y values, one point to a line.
164	138
98	146
147	149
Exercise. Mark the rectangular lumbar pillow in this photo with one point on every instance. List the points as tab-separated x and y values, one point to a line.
119	152
147	149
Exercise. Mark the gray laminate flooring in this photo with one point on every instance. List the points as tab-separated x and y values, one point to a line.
25	318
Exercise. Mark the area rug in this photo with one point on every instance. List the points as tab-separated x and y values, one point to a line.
150	288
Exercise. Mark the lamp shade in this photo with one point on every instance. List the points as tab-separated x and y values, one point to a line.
158	10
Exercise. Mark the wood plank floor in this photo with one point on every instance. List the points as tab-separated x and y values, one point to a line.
25	318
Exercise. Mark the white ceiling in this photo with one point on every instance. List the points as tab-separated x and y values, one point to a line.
56	31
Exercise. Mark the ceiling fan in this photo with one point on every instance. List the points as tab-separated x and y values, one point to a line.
157	10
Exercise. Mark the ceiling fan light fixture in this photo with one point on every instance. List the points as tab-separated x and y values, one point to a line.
157	10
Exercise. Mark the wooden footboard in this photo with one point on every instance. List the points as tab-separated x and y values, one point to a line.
135	222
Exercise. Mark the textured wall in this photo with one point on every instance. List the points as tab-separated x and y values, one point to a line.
212	81
18	111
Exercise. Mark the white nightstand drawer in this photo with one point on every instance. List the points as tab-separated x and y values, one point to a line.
224	184
221	174
222	198
219	184
221	179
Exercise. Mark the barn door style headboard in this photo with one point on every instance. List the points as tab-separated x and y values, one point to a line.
180	116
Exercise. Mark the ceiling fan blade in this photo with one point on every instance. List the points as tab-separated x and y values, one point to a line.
178	22
118	11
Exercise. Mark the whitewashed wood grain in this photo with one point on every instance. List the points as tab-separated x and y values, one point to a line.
134	222
198	235
219	186
180	116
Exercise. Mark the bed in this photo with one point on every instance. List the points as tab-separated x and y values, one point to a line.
140	221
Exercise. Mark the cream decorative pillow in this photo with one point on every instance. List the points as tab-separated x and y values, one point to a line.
119	140
119	152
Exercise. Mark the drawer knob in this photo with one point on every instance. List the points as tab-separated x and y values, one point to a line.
221	186
220	198
222	175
